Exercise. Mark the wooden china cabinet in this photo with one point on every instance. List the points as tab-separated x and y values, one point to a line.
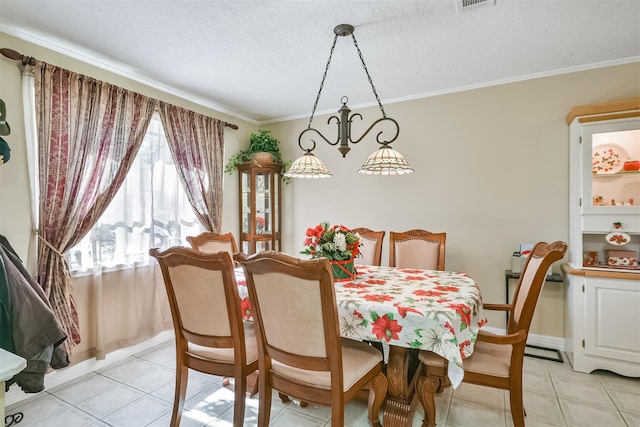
260	208
602	327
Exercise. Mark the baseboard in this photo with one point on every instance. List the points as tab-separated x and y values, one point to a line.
546	341
61	376
555	343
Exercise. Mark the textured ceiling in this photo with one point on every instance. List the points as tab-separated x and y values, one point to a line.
264	60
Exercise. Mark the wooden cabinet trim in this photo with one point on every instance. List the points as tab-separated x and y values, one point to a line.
600	118
603	108
600	273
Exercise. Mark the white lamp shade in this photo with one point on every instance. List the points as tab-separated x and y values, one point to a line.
308	166
385	161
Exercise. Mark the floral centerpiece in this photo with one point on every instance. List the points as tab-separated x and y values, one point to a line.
336	243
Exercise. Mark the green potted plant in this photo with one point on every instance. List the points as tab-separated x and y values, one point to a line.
261	142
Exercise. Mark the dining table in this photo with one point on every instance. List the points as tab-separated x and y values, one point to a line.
409	310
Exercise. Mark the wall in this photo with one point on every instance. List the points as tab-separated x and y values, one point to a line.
491	169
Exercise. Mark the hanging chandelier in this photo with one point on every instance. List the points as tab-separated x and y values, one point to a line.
384	161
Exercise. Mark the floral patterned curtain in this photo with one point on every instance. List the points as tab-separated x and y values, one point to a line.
196	142
88	135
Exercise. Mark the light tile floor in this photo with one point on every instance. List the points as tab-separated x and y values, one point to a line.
138	391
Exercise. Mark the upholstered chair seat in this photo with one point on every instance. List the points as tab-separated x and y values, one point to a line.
357	360
226	355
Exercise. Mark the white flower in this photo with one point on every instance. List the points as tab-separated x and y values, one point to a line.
341	241
433	338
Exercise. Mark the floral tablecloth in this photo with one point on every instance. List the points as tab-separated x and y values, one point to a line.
440	311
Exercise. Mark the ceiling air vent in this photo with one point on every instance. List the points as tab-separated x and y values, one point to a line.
467	5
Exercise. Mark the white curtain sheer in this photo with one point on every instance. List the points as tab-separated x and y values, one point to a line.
150	210
30	132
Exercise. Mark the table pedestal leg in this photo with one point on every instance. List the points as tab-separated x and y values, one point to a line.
426	389
431	380
401	376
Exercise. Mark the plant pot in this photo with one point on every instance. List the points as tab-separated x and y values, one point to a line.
262	156
343	271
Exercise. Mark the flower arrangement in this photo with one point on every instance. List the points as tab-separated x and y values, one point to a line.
336	242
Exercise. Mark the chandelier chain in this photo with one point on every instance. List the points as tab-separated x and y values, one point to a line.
324	76
383	161
355	42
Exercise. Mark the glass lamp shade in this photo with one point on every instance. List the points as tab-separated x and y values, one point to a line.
308	166
385	161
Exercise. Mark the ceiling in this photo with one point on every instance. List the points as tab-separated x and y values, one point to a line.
264	60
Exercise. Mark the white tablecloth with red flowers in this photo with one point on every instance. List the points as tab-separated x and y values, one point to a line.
439	311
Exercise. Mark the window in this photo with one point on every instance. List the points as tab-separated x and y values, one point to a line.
150	210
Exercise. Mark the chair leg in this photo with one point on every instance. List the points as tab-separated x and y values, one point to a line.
264	403
337	414
240	392
377	394
182	377
426	387
517	407
284	398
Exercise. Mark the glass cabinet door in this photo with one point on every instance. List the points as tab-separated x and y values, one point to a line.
263	203
612	161
245	202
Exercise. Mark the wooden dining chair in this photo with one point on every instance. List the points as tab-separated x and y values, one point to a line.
417	249
371	249
497	359
301	353
211	336
210	242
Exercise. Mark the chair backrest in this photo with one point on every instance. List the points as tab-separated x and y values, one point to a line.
210	242
531	281
417	249
203	297
294	304
371	249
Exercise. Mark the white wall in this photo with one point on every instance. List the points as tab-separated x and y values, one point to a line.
491	169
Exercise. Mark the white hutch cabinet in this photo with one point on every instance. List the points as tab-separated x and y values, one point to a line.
602	328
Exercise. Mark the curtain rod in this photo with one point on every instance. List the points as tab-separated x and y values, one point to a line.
17	56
